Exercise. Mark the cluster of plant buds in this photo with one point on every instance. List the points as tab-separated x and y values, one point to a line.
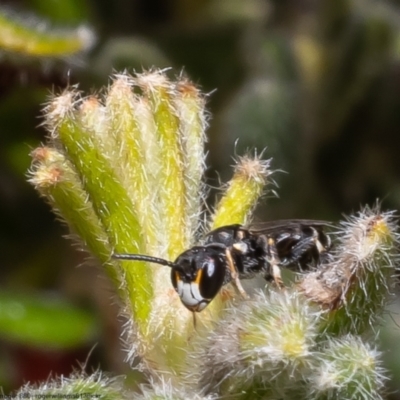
305	342
124	170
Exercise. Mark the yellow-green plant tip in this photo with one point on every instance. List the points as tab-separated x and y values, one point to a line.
54	178
120	102
189	104
47	155
243	192
31	39
381	232
136	167
91	113
110	200
93	117
45	176
172	192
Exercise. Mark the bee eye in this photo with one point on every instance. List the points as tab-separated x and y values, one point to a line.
209	268
212	277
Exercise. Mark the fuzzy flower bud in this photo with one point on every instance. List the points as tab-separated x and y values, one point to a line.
348	369
242	192
355	286
263	343
57	181
77	386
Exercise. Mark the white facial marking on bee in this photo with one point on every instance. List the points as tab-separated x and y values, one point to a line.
189	294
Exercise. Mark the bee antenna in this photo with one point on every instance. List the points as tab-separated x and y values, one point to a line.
141	257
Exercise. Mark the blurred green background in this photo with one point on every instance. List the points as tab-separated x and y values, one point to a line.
317	83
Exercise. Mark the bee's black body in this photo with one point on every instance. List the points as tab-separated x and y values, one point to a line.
234	251
294	241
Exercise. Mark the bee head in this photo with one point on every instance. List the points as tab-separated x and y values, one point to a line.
197	274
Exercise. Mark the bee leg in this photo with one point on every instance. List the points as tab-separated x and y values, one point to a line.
273	260
234	274
310	244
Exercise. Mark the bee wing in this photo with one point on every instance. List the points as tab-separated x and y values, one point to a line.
286	225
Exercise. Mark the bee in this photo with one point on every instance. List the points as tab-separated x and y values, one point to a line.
234	252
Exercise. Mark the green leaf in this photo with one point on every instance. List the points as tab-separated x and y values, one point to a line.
39	320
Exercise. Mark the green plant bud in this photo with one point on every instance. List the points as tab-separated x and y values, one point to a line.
242	192
264	344
348	369
355	286
172	192
55	179
77	386
137	152
189	104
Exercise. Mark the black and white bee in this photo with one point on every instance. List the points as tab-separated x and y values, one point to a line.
234	252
